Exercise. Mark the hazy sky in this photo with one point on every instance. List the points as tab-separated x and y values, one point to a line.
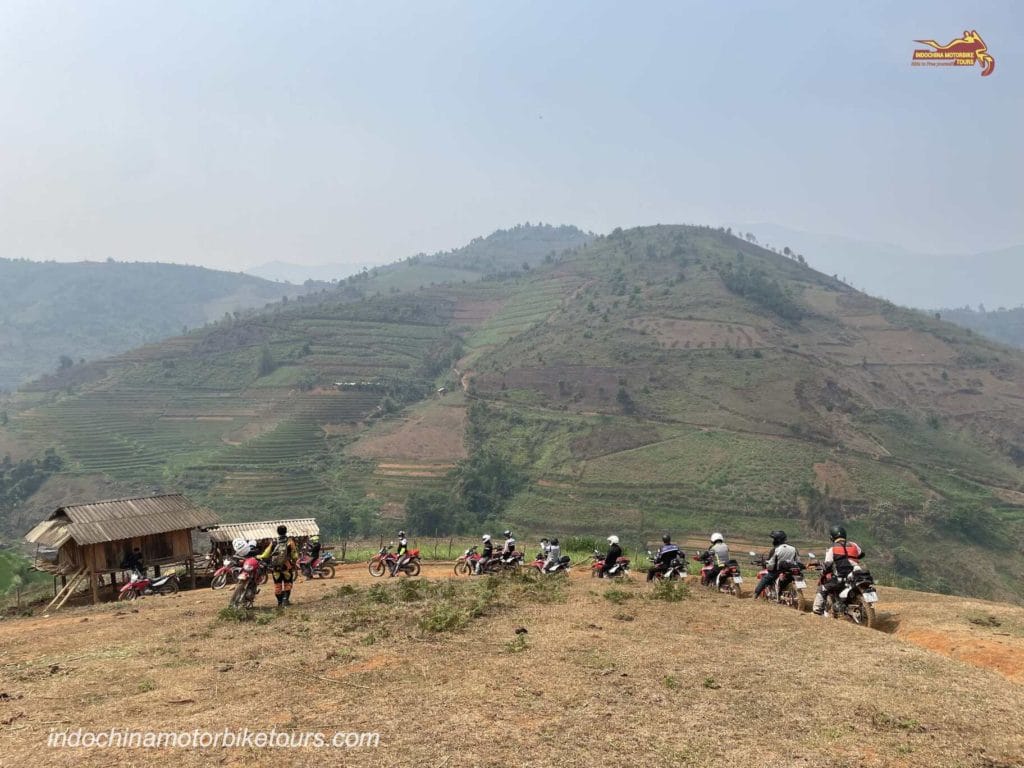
234	133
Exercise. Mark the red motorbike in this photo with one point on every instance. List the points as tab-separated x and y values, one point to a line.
728	578
384	562
787	588
252	574
323	566
618	570
227	573
537	568
140	585
466	564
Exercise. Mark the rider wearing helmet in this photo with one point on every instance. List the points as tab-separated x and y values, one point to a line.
486	554
554	555
717	555
781	556
401	554
313	551
509	547
840	561
282	555
613	555
666	554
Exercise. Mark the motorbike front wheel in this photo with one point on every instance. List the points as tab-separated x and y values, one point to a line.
735	589
219	581
462	568
238	596
128	594
376	567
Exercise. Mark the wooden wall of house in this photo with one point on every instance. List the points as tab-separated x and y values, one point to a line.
157	549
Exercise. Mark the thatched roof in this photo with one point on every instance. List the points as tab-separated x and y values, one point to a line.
118	519
264	529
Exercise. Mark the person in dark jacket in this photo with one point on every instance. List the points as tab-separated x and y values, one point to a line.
781	557
614	553
664	558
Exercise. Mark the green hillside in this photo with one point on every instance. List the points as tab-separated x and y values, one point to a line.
660	378
90	310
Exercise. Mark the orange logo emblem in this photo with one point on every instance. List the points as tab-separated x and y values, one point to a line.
962	52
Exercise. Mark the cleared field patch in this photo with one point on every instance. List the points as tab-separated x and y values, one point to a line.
673	333
432	432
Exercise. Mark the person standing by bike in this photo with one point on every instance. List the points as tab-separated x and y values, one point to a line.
282	554
313	551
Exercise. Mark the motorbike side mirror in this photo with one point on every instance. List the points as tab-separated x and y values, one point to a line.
810	554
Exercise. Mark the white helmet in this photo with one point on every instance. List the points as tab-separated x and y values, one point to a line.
613	539
717	538
241	546
486	537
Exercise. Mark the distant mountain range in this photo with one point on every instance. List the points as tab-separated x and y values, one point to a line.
54	314
909	278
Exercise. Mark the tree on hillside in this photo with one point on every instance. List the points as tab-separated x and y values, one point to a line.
65	362
266	363
432	513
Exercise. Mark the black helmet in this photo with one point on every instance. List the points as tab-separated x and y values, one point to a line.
778	537
667	539
837	532
282	530
554	542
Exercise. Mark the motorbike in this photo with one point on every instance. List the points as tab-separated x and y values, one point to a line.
728	579
536	568
252	574
139	586
323	566
466	564
384	561
226	573
675	571
619	570
853	598
787	588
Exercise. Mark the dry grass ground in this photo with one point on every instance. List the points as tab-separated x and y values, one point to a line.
703	681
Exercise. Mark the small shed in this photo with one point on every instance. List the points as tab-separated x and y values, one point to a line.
222	534
89	540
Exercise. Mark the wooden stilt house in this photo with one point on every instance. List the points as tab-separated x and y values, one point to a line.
90	541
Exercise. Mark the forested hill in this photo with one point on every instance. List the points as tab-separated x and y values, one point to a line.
59	313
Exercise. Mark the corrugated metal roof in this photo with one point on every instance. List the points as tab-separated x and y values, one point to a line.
118	519
49	533
264	529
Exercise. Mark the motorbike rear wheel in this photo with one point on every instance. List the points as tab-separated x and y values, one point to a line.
462	568
413	568
794	598
219	581
326	572
376	567
170	588
861	612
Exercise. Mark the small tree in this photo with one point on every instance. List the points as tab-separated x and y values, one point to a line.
266	364
65	362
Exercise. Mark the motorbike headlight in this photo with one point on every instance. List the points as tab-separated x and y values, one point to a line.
247	567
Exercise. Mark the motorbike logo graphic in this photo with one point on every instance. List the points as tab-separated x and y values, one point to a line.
965	51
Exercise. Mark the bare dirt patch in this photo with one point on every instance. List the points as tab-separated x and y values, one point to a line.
433	432
830	475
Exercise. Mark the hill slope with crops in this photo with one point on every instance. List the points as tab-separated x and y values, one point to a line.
663	378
